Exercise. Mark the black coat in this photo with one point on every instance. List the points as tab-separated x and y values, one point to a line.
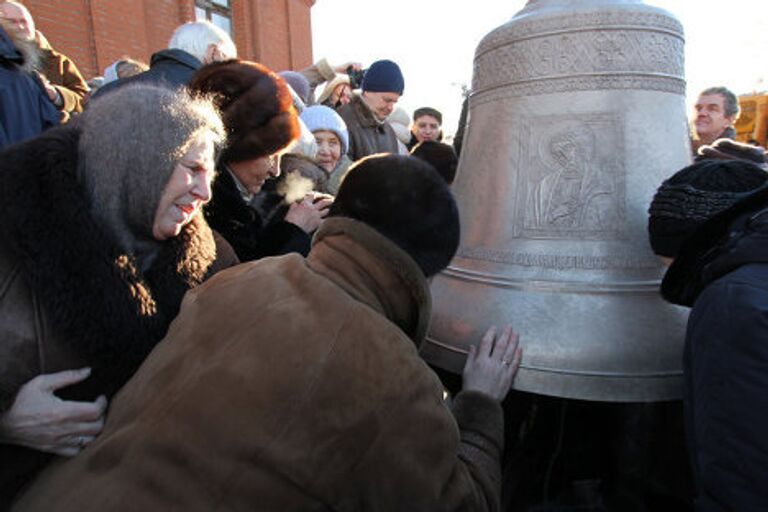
25	109
245	229
723	273
167	68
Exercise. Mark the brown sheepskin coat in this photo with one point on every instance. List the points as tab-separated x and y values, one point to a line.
291	385
63	74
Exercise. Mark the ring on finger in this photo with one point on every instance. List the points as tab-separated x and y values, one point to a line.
81	441
506	362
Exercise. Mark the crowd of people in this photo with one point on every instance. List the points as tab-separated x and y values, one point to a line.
215	285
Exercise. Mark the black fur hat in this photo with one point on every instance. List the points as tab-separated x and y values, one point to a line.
442	157
727	149
407	201
695	194
256	107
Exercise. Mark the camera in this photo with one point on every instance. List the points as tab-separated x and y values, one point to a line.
355	77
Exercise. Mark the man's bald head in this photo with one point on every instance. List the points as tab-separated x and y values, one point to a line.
18	19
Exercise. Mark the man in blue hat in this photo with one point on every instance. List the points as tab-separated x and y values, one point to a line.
367	113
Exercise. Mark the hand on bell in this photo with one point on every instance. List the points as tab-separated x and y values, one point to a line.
491	367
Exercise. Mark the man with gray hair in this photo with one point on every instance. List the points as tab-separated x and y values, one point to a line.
717	109
192	45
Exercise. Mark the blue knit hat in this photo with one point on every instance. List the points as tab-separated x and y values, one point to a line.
383	76
320	117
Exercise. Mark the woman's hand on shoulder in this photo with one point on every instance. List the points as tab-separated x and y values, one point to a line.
40	420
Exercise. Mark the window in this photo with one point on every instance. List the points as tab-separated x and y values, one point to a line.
218	12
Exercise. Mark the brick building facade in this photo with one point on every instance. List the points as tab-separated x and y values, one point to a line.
95	33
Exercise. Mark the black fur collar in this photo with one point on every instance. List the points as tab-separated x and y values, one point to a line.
732	238
97	300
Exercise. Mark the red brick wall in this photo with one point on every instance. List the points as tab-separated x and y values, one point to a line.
300	42
66	24
276	33
95	33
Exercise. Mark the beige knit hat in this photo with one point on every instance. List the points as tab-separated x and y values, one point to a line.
330	86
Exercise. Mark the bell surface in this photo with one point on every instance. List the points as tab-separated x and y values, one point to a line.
577	115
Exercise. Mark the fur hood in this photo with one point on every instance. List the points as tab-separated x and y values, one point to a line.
97	301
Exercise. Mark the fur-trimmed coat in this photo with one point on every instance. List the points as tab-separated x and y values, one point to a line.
312	397
69	297
728	133
367	136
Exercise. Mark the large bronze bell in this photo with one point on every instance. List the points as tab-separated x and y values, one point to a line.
577	114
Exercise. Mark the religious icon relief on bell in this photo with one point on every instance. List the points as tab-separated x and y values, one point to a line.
573	184
553	186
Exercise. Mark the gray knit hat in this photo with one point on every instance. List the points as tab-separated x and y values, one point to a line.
131	140
331	85
298	83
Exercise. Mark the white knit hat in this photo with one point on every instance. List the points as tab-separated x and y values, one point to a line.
320	117
400	122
